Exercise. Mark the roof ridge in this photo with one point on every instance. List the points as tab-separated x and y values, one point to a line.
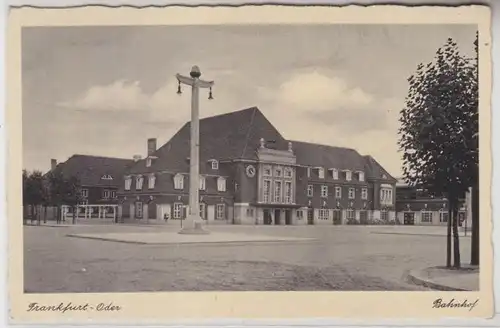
225	114
324	145
99	156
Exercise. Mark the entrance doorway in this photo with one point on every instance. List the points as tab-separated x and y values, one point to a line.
409	218
288	217
310	216
267	217
363	217
277	217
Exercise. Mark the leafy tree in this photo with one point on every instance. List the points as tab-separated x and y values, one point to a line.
438	126
33	193
72	195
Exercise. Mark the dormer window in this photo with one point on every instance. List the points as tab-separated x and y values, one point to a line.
202	182
148	162
128	182
321	173
335	174
215	164
361	176
221	184
151	181
106	177
178	181
348	175
138	182
308	172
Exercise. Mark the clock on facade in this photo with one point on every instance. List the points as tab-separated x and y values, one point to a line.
250	171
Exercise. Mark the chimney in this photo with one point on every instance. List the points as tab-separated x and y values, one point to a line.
137	158
53	164
151	146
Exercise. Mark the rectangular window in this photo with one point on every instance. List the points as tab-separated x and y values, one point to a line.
128	182
288	192
299	214
220	211
250	212
105	194
350	214
323	214
85	193
321	173
113	194
308	172
138	209
348	175
215	165
179	181
426	217
288	172
335	174
148	162
324	191
361	176
177	210
443	216
310	190
352	193
151	181
277	191
138	182
267	191
202	183
221	184
278	171
267	171
338	192
364	193
386	196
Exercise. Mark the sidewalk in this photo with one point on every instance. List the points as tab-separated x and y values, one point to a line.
441	278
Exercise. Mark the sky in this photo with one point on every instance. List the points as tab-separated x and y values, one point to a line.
106	90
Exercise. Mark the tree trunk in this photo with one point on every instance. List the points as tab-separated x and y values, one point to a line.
448	238
74	214
38	214
32	213
45	214
474	258
456	242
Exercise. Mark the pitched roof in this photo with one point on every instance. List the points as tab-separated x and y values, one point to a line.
376	171
317	155
90	169
237	135
234	135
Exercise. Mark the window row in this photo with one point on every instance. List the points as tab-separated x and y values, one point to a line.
180	211
338	192
178	182
277	191
277	171
335	174
324	214
427	216
386	195
106	194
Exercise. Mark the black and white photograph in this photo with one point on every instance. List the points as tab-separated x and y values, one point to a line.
253	157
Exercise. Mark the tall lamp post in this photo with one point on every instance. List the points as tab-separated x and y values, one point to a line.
193	221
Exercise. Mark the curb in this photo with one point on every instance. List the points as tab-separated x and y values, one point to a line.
414	278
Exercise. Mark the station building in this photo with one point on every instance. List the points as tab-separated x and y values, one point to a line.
251	174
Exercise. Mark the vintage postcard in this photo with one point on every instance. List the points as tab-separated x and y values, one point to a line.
249	162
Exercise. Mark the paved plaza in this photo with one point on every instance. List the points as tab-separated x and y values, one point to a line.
344	258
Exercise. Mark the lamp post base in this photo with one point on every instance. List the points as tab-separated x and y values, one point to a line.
196	228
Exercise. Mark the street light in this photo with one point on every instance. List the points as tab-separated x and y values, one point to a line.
193	220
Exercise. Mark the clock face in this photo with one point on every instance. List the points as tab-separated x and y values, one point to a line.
250	171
